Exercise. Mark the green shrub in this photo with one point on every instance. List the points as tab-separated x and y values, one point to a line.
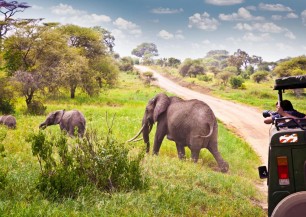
236	82
6	106
69	165
36	108
204	78
3	173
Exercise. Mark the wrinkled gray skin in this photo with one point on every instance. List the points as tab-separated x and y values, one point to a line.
189	123
68	121
8	120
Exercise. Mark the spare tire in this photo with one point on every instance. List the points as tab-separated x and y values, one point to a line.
294	205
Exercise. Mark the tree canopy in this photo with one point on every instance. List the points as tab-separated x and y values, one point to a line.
145	50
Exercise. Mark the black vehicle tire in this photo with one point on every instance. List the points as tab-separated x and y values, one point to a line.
294	205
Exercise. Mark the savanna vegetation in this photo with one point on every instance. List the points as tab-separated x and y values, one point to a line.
49	66
238	77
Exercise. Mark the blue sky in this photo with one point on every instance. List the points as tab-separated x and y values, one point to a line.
272	29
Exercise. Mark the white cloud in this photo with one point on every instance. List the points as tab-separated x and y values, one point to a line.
256	38
274	7
126	25
290	35
242	14
36	7
264	28
67	14
283	47
118	34
179	34
63	9
166	11
288	16
276	17
303	15
224	2
165	35
292	16
203	21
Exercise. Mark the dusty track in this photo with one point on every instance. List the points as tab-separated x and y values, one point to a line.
246	121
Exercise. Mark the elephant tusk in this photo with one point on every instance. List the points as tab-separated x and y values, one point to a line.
140	131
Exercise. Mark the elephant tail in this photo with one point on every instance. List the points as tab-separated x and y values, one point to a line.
211	130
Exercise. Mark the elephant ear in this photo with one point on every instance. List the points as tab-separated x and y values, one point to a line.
58	116
161	105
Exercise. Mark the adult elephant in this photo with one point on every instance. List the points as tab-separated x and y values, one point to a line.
68	121
8	120
189	123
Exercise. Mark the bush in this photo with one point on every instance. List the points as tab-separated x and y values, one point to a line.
236	82
6	106
260	76
204	78
69	165
3	172
36	108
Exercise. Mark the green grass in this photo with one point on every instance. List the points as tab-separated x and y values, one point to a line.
176	188
259	95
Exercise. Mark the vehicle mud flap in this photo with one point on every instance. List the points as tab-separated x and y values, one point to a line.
305	173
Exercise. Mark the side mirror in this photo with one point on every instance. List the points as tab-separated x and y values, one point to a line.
263	172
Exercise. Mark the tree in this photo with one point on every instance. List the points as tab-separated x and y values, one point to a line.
238	59
88	40
173	62
224	76
31	55
260	76
294	66
126	64
146	51
191	68
107	71
6	97
108	38
9	9
28	83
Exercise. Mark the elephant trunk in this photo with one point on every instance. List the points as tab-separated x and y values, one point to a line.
42	125
147	127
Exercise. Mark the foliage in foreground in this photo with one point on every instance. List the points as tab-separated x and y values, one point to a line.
68	165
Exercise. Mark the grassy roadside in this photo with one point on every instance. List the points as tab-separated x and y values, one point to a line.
177	188
261	96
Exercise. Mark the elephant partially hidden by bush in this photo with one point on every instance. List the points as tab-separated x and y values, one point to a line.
68	121
189	123
8	120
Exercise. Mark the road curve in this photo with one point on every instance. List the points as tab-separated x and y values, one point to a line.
246	120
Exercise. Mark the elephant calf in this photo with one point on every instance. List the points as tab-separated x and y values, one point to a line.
189	123
68	121
8	120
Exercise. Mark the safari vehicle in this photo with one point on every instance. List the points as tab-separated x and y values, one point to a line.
286	173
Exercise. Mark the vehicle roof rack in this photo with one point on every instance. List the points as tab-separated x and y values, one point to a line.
291	82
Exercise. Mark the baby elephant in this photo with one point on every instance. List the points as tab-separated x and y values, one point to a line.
68	121
8	120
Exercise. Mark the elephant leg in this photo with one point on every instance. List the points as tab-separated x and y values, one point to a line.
223	165
180	151
195	155
159	136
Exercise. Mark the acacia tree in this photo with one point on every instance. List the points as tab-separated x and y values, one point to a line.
146	51
8	9
108	38
28	58
73	66
294	66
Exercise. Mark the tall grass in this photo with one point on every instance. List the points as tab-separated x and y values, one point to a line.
176	188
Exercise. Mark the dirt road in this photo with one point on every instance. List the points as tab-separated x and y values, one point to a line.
246	121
